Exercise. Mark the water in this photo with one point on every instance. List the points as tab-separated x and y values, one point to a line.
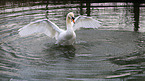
112	53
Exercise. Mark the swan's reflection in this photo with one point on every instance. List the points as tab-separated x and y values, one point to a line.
61	51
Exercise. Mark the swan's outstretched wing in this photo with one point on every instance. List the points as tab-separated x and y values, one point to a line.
86	22
41	26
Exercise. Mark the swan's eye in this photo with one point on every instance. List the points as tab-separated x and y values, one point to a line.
73	18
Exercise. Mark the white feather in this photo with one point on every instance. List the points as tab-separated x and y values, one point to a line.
41	26
85	22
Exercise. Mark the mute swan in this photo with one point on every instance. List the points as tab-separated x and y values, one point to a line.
63	37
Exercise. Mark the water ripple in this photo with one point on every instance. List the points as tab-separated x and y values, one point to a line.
38	58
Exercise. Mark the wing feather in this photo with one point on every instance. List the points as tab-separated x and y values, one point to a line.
86	22
41	26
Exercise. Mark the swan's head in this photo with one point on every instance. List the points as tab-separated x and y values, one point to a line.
71	16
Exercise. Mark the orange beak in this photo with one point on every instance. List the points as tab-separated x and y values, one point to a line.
73	21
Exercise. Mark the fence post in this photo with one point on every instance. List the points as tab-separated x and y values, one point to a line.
88	7
136	15
81	7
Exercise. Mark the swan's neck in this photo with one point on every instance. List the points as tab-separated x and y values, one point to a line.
69	24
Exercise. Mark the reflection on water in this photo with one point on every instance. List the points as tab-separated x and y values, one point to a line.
104	55
62	51
133	62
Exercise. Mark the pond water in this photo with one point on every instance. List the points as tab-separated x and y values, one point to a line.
114	52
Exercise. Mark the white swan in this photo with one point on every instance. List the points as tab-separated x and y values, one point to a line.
63	37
